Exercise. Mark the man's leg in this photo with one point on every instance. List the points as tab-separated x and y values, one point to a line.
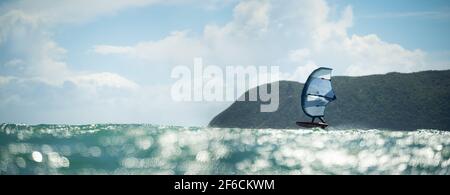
321	119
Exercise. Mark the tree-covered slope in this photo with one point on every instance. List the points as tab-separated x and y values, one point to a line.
392	101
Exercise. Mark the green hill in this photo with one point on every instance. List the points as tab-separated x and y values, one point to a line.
393	101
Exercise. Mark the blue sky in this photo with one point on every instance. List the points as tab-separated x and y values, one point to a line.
81	61
388	19
411	23
129	26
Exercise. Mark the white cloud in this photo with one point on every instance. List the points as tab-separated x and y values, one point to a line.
299	55
70	11
36	56
103	79
293	34
370	55
301	73
251	17
229	43
108	49
51	12
35	102
36	77
40	79
175	49
5	80
14	63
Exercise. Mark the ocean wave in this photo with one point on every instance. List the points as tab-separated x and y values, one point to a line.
158	149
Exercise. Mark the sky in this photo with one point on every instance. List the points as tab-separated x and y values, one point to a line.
102	61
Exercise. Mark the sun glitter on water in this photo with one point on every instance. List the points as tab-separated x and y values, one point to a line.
152	149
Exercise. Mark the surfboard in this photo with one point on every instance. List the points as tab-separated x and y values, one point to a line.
312	125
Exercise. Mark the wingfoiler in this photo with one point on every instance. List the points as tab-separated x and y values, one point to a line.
317	93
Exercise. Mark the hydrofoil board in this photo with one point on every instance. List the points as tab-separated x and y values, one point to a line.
312	125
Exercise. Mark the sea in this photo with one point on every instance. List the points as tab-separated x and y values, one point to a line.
173	150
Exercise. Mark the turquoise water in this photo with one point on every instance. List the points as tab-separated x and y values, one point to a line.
152	149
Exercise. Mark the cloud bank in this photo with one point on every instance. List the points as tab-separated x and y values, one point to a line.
292	35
